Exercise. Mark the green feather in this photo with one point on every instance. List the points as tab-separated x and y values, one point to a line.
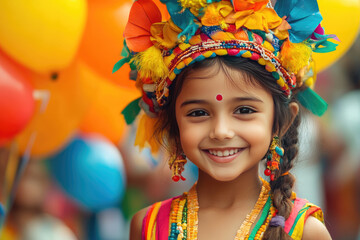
126	54
312	101
119	64
131	111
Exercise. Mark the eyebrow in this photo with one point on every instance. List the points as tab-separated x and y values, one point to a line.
197	101
253	99
238	99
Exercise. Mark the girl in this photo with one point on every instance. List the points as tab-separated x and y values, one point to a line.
221	84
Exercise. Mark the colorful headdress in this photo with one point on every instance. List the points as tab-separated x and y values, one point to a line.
281	39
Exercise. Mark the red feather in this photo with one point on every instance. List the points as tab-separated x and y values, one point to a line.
142	15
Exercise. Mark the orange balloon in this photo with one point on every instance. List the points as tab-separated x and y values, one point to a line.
103	39
104	116
340	18
61	104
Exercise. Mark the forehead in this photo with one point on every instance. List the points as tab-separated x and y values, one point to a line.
221	79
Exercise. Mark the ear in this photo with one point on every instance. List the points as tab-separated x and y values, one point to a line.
294	110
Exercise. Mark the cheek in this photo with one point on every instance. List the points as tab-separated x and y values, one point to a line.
258	135
188	135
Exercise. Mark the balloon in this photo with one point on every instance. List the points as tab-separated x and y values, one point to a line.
104	115
16	98
102	42
42	35
103	39
340	18
91	171
63	101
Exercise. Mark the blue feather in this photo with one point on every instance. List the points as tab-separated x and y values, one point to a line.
182	18
302	15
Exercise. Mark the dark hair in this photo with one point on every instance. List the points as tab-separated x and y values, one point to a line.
167	131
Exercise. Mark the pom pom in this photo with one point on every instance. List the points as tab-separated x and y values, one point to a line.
150	64
295	56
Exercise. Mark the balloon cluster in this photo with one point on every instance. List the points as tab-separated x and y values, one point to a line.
56	60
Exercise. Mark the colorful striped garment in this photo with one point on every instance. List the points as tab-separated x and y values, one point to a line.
156	220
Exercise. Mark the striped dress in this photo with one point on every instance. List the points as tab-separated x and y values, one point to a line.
156	221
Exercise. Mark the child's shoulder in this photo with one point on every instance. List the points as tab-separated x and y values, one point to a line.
314	229
136	223
154	216
306	221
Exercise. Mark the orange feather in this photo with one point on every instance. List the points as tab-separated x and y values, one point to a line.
142	15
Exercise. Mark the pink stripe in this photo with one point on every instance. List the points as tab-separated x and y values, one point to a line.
163	220
298	204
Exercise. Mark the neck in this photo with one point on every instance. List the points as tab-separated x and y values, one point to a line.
221	194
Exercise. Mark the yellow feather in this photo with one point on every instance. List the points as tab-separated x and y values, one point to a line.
295	56
151	64
145	134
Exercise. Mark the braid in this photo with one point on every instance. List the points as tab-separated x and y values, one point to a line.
283	185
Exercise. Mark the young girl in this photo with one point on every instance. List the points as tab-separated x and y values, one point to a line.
221	83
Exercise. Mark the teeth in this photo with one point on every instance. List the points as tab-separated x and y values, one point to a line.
224	153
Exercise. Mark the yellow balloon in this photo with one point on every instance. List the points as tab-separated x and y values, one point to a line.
341	17
61	105
43	35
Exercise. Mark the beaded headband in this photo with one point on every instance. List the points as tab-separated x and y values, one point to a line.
213	48
281	39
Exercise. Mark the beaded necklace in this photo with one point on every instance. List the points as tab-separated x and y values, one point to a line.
184	216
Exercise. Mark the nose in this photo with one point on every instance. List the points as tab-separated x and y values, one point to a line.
222	128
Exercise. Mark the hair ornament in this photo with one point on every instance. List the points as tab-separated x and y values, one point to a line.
177	165
274	158
281	38
277	221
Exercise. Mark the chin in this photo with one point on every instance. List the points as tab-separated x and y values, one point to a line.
224	176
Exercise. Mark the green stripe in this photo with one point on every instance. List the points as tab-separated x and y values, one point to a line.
301	212
262	219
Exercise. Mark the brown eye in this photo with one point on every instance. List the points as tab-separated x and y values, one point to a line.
244	110
198	113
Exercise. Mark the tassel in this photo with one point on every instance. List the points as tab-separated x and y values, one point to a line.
177	165
312	101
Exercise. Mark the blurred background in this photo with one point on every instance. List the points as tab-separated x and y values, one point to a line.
68	167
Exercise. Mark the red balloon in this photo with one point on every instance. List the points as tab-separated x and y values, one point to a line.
16	98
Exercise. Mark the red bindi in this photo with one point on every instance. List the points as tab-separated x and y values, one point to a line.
219	97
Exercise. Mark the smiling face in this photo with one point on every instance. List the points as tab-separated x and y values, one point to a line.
224	136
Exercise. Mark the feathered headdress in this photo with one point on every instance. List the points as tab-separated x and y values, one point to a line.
281	39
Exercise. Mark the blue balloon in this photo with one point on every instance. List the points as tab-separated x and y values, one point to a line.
90	170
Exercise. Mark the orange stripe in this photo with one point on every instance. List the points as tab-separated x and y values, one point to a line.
152	220
147	220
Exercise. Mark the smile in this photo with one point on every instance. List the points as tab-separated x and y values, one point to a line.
224	153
